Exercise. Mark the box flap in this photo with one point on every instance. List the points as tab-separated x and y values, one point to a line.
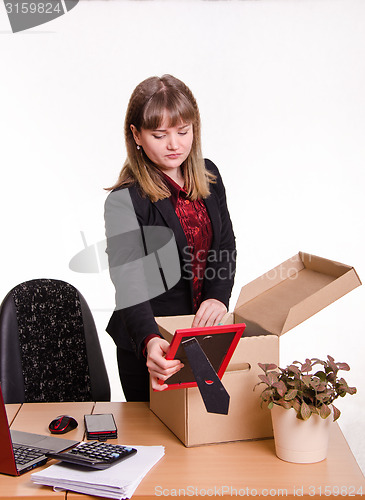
292	292
321	299
324	266
169	324
270	279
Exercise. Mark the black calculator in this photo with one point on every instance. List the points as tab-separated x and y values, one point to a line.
97	455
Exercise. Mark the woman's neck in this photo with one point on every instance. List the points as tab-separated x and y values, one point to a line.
176	175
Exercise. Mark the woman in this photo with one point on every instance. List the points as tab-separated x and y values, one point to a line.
165	183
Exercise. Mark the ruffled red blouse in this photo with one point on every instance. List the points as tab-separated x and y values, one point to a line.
195	221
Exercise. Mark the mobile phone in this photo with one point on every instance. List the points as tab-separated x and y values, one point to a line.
100	426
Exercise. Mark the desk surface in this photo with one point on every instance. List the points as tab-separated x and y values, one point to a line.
227	469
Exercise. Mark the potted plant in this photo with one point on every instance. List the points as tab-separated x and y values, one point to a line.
300	398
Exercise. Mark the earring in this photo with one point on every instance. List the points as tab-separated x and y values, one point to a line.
138	147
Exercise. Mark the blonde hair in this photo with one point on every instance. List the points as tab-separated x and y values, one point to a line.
147	105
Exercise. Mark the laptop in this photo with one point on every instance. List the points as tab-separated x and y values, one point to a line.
23	451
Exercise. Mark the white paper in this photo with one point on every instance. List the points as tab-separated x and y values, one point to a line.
118	481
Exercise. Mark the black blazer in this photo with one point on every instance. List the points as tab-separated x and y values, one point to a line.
131	325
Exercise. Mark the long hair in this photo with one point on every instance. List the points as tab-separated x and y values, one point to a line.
147	105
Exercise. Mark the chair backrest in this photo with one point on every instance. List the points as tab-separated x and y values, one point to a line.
49	346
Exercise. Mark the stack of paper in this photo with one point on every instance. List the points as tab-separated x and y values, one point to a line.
118	481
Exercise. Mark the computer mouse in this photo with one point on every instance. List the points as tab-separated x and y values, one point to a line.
62	424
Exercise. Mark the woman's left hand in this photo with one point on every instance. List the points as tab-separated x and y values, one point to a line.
210	312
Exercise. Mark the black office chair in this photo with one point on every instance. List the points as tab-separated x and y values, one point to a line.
49	347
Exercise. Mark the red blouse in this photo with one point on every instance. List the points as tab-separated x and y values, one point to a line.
195	221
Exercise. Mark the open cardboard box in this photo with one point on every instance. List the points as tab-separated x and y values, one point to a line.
270	306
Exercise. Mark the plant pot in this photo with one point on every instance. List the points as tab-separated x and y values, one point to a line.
300	441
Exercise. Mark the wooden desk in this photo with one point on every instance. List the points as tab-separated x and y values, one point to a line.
226	470
35	418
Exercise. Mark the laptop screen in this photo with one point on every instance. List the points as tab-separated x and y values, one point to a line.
7	461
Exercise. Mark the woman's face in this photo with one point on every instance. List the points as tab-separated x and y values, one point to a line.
167	147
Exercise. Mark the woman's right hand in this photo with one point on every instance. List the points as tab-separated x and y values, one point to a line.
158	366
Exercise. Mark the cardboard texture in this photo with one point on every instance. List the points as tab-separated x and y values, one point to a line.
270	306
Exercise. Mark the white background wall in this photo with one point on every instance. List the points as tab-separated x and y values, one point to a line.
280	86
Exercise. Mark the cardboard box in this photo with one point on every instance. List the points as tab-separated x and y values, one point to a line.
270	306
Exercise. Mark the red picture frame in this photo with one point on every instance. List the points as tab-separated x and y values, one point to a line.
218	343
